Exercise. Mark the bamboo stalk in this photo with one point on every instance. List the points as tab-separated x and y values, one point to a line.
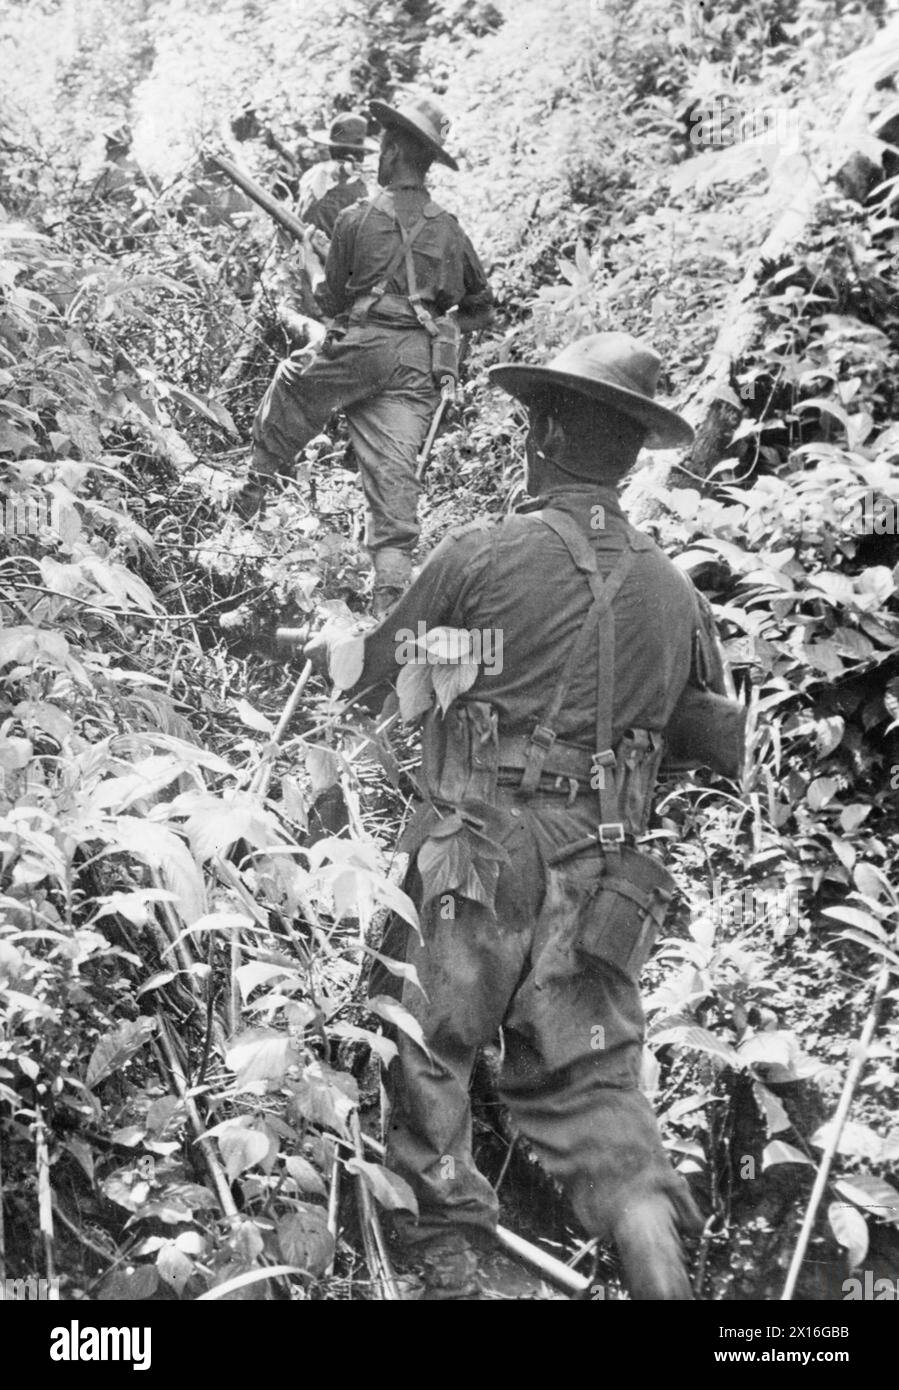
333	1206
263	774
2	1223
372	1236
842	1111
554	1269
223	1190
44	1191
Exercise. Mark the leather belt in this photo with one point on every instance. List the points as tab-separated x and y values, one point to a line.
562	759
393	310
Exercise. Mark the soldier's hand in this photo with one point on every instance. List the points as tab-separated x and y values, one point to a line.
316	651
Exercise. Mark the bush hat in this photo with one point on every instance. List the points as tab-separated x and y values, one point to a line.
421	118
347	131
611	368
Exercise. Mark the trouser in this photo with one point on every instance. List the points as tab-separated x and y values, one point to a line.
381	377
572	1035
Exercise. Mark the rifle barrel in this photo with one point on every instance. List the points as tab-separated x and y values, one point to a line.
253	190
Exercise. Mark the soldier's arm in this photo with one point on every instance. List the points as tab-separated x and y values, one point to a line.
476	308
434	599
332	296
706	728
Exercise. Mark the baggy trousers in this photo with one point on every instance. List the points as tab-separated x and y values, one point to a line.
380	376
572	1030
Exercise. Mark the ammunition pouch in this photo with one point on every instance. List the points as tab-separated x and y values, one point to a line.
623	913
459	753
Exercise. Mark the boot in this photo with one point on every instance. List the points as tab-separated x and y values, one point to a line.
393	570
449	1268
649	1247
250	500
383	597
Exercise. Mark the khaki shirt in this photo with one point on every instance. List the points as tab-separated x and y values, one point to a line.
365	240
516	581
326	189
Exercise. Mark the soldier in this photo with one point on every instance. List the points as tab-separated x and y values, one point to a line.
397	264
325	190
117	180
537	909
336	182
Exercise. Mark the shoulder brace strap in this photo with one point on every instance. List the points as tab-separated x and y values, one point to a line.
600	619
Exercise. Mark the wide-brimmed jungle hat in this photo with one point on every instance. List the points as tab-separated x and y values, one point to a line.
612	368
348	132
421	118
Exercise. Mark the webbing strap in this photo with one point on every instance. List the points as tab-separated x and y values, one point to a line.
403	252
601	619
418	309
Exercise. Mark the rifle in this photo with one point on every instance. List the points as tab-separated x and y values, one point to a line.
275	209
447	396
445	366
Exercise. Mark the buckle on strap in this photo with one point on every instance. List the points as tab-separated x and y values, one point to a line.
544	738
598	764
610	833
421	313
539	745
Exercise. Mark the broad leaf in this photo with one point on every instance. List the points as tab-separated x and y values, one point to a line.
174	1267
875	1195
415	690
117	1048
346	658
779	1152
242	1149
851	1231
776	1117
400	1017
698	1040
388	1188
307	1178
856	1140
304	1239
261	1054
254	719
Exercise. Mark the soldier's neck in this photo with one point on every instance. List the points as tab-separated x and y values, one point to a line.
587	466
402	176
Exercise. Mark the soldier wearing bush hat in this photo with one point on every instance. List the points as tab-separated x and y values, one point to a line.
334	183
538	903
397	265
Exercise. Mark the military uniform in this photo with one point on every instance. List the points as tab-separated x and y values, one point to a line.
378	369
377	365
325	190
554	962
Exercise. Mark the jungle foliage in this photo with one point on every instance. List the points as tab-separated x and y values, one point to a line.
190	910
